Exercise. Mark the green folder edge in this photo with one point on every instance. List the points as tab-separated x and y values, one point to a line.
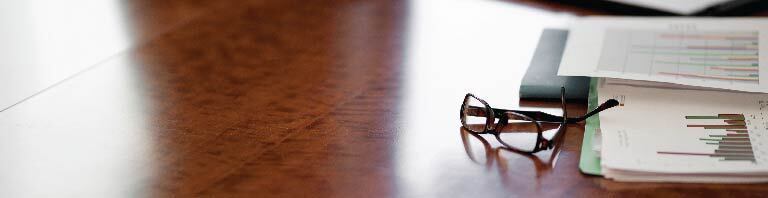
589	163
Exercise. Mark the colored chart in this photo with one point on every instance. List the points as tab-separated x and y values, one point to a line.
733	145
701	55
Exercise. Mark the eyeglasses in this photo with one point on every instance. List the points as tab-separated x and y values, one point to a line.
519	130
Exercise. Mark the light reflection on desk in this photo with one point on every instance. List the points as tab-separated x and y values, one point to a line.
45	42
456	47
64	147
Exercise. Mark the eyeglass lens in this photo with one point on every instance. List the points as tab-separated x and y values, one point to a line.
475	115
519	134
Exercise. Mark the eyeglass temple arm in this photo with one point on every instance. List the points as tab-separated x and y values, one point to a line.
476	111
545	117
606	105
536	115
500	113
541	116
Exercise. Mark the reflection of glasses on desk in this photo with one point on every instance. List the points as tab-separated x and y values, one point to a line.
524	133
480	151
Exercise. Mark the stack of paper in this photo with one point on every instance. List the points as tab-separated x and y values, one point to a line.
700	113
683	135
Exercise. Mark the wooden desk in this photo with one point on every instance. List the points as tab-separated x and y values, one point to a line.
297	99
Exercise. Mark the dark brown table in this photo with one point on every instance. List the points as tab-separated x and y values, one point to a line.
293	98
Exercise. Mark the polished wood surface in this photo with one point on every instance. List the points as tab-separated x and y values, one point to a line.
286	99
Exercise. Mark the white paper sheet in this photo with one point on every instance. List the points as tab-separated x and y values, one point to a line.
708	52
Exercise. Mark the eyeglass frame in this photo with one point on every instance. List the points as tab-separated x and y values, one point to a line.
535	117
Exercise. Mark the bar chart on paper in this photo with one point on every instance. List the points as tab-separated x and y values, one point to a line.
725	56
732	137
